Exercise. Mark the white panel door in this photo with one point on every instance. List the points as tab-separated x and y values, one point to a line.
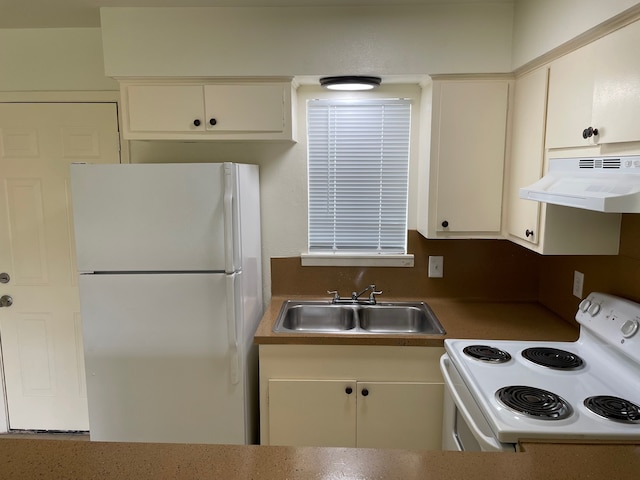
160	358
41	331
149	217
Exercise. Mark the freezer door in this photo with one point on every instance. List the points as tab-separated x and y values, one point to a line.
152	217
163	358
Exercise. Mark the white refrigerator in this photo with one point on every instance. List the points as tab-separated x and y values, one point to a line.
169	263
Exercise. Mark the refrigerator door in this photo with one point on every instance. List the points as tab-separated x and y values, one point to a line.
163	358
155	217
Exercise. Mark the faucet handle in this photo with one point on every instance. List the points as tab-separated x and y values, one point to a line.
372	298
336	295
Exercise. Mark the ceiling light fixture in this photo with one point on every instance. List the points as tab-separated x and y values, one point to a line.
350	82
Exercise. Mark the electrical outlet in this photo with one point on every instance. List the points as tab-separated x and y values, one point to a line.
436	267
578	283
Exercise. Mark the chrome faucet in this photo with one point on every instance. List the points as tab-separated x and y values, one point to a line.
355	296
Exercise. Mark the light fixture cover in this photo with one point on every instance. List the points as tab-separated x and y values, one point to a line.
350	82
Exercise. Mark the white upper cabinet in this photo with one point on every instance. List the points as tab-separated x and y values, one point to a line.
527	154
570	101
616	94
462	159
156	110
246	108
552	229
596	88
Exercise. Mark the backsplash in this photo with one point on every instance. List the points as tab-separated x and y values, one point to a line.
473	269
491	270
617	275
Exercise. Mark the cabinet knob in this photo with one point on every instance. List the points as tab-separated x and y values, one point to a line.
348	390
196	122
6	301
589	132
212	121
444	224
365	392
528	233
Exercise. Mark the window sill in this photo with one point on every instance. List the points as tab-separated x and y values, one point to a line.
354	260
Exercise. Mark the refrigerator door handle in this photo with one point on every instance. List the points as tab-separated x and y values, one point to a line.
232	324
229	214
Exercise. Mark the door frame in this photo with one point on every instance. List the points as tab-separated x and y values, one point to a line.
98	96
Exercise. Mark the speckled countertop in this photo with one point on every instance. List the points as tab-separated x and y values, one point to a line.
82	460
460	319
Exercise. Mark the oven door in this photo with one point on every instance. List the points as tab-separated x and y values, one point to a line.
464	427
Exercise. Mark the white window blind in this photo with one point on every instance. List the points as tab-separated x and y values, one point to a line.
358	175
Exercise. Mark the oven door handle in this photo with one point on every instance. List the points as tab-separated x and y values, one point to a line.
491	443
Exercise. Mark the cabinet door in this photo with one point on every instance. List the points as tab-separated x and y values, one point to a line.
527	153
616	95
400	415
469	142
164	108
570	100
317	413
245	108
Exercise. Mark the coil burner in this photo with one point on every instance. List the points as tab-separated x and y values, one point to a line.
614	408
553	358
534	402
487	353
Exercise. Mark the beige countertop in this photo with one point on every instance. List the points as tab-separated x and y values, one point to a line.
460	319
82	460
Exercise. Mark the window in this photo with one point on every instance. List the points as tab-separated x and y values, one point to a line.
358	175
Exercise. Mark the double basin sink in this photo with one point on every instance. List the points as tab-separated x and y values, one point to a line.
357	318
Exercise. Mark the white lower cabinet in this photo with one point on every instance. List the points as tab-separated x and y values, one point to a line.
318	413
385	397
399	415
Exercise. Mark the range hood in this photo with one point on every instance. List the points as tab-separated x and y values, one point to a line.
602	184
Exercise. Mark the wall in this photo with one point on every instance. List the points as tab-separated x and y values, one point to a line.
52	59
381	40
542	25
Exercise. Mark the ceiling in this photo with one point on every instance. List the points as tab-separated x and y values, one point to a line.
86	13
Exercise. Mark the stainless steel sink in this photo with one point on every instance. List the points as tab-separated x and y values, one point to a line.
399	319
317	318
357	318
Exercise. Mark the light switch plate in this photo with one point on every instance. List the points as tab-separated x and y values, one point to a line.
436	267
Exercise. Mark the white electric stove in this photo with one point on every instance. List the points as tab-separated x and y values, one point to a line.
501	391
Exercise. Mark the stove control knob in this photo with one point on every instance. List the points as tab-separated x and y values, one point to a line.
584	304
629	328
594	309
